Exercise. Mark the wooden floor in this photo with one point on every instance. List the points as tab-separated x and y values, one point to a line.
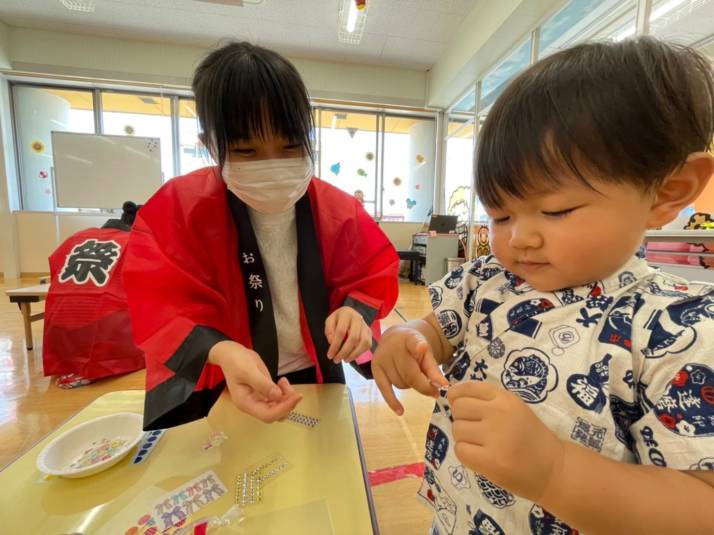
31	406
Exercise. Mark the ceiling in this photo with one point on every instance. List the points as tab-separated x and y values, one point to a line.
399	33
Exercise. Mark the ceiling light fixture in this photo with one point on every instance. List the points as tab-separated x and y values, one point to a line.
82	6
351	20
237	3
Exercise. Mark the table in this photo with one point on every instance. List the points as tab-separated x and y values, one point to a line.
24	297
324	491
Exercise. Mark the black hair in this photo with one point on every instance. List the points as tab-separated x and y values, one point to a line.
628	112
129	210
244	91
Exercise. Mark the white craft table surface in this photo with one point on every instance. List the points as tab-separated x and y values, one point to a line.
322	492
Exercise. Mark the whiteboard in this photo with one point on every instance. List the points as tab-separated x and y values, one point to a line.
97	171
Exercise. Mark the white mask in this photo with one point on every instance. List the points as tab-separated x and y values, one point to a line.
269	186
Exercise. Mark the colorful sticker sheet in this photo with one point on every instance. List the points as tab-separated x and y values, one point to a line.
147	445
172	510
99	451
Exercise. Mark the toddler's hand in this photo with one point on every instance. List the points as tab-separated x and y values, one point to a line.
404	359
499	437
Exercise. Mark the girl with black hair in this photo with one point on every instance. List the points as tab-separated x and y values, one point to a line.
253	274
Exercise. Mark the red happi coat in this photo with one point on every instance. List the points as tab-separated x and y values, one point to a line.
186	292
87	326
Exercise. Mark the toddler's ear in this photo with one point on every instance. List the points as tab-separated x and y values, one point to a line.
681	188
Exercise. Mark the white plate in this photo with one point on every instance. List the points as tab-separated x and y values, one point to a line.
62	456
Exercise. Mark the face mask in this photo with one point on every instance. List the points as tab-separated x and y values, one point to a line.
269	186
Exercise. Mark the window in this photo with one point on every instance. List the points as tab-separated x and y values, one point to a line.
467	103
192	153
348	153
135	114
458	176
388	156
408	178
498	78
682	21
580	20
315	138
38	112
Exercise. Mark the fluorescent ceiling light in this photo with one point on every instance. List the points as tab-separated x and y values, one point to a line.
352	17
82	6
351	21
238	3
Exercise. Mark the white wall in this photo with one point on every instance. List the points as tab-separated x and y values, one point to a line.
40	233
70	224
37	238
126	60
4	46
400	233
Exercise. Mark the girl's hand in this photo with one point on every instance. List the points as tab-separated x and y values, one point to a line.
249	383
348	335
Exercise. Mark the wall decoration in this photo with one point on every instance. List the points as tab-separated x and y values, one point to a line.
411	203
397	181
43	174
129	130
459	203
369	156
361	172
702	221
335	168
38	147
481	245
352	132
417	186
420	159
392	202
